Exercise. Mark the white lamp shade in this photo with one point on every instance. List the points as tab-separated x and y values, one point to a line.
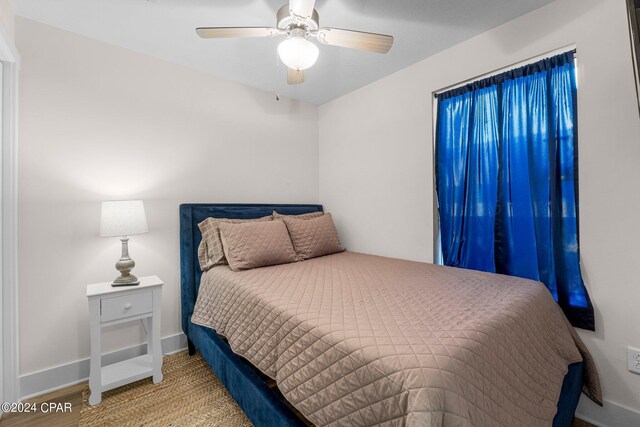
123	218
298	53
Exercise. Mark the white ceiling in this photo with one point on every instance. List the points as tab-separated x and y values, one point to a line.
165	29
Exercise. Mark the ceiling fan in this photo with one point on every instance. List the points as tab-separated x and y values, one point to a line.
298	20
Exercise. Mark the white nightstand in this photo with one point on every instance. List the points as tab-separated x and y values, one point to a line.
110	305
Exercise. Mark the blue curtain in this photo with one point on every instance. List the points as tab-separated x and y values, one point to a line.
468	187
506	178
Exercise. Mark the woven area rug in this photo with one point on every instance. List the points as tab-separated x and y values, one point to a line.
189	395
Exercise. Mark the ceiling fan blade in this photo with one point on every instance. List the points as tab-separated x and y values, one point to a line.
301	9
295	77
227	32
371	42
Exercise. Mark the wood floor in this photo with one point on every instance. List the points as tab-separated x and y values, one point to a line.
73	395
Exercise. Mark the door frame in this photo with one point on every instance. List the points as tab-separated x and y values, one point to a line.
9	217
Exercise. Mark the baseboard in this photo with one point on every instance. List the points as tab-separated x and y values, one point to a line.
609	415
48	380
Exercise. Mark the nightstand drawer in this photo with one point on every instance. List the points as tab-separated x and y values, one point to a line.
125	306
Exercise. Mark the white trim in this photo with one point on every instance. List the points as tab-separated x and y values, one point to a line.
437	239
52	379
609	415
10	342
9	333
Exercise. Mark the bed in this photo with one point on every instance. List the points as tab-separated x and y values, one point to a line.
266	406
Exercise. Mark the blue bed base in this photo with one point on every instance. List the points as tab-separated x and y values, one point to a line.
264	406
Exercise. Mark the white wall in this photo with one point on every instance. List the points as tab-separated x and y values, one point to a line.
376	161
7	17
98	122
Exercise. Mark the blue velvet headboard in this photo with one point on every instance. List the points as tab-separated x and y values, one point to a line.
190	216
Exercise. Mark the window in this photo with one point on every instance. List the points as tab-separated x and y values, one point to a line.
506	179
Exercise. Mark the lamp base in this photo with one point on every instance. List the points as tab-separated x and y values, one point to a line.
129	280
124	265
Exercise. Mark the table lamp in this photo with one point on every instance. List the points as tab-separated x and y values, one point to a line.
122	219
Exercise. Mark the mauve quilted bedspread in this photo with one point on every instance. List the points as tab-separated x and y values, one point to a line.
354	339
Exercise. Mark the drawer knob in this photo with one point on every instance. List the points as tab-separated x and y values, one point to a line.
127	306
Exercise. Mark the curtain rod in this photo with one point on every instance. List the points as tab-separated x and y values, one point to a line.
533	59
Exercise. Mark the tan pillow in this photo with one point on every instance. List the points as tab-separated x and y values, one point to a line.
210	252
313	237
310	215
256	244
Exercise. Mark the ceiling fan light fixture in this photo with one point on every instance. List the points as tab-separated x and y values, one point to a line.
299	21
298	53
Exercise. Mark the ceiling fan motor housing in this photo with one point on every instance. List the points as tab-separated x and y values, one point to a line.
286	22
